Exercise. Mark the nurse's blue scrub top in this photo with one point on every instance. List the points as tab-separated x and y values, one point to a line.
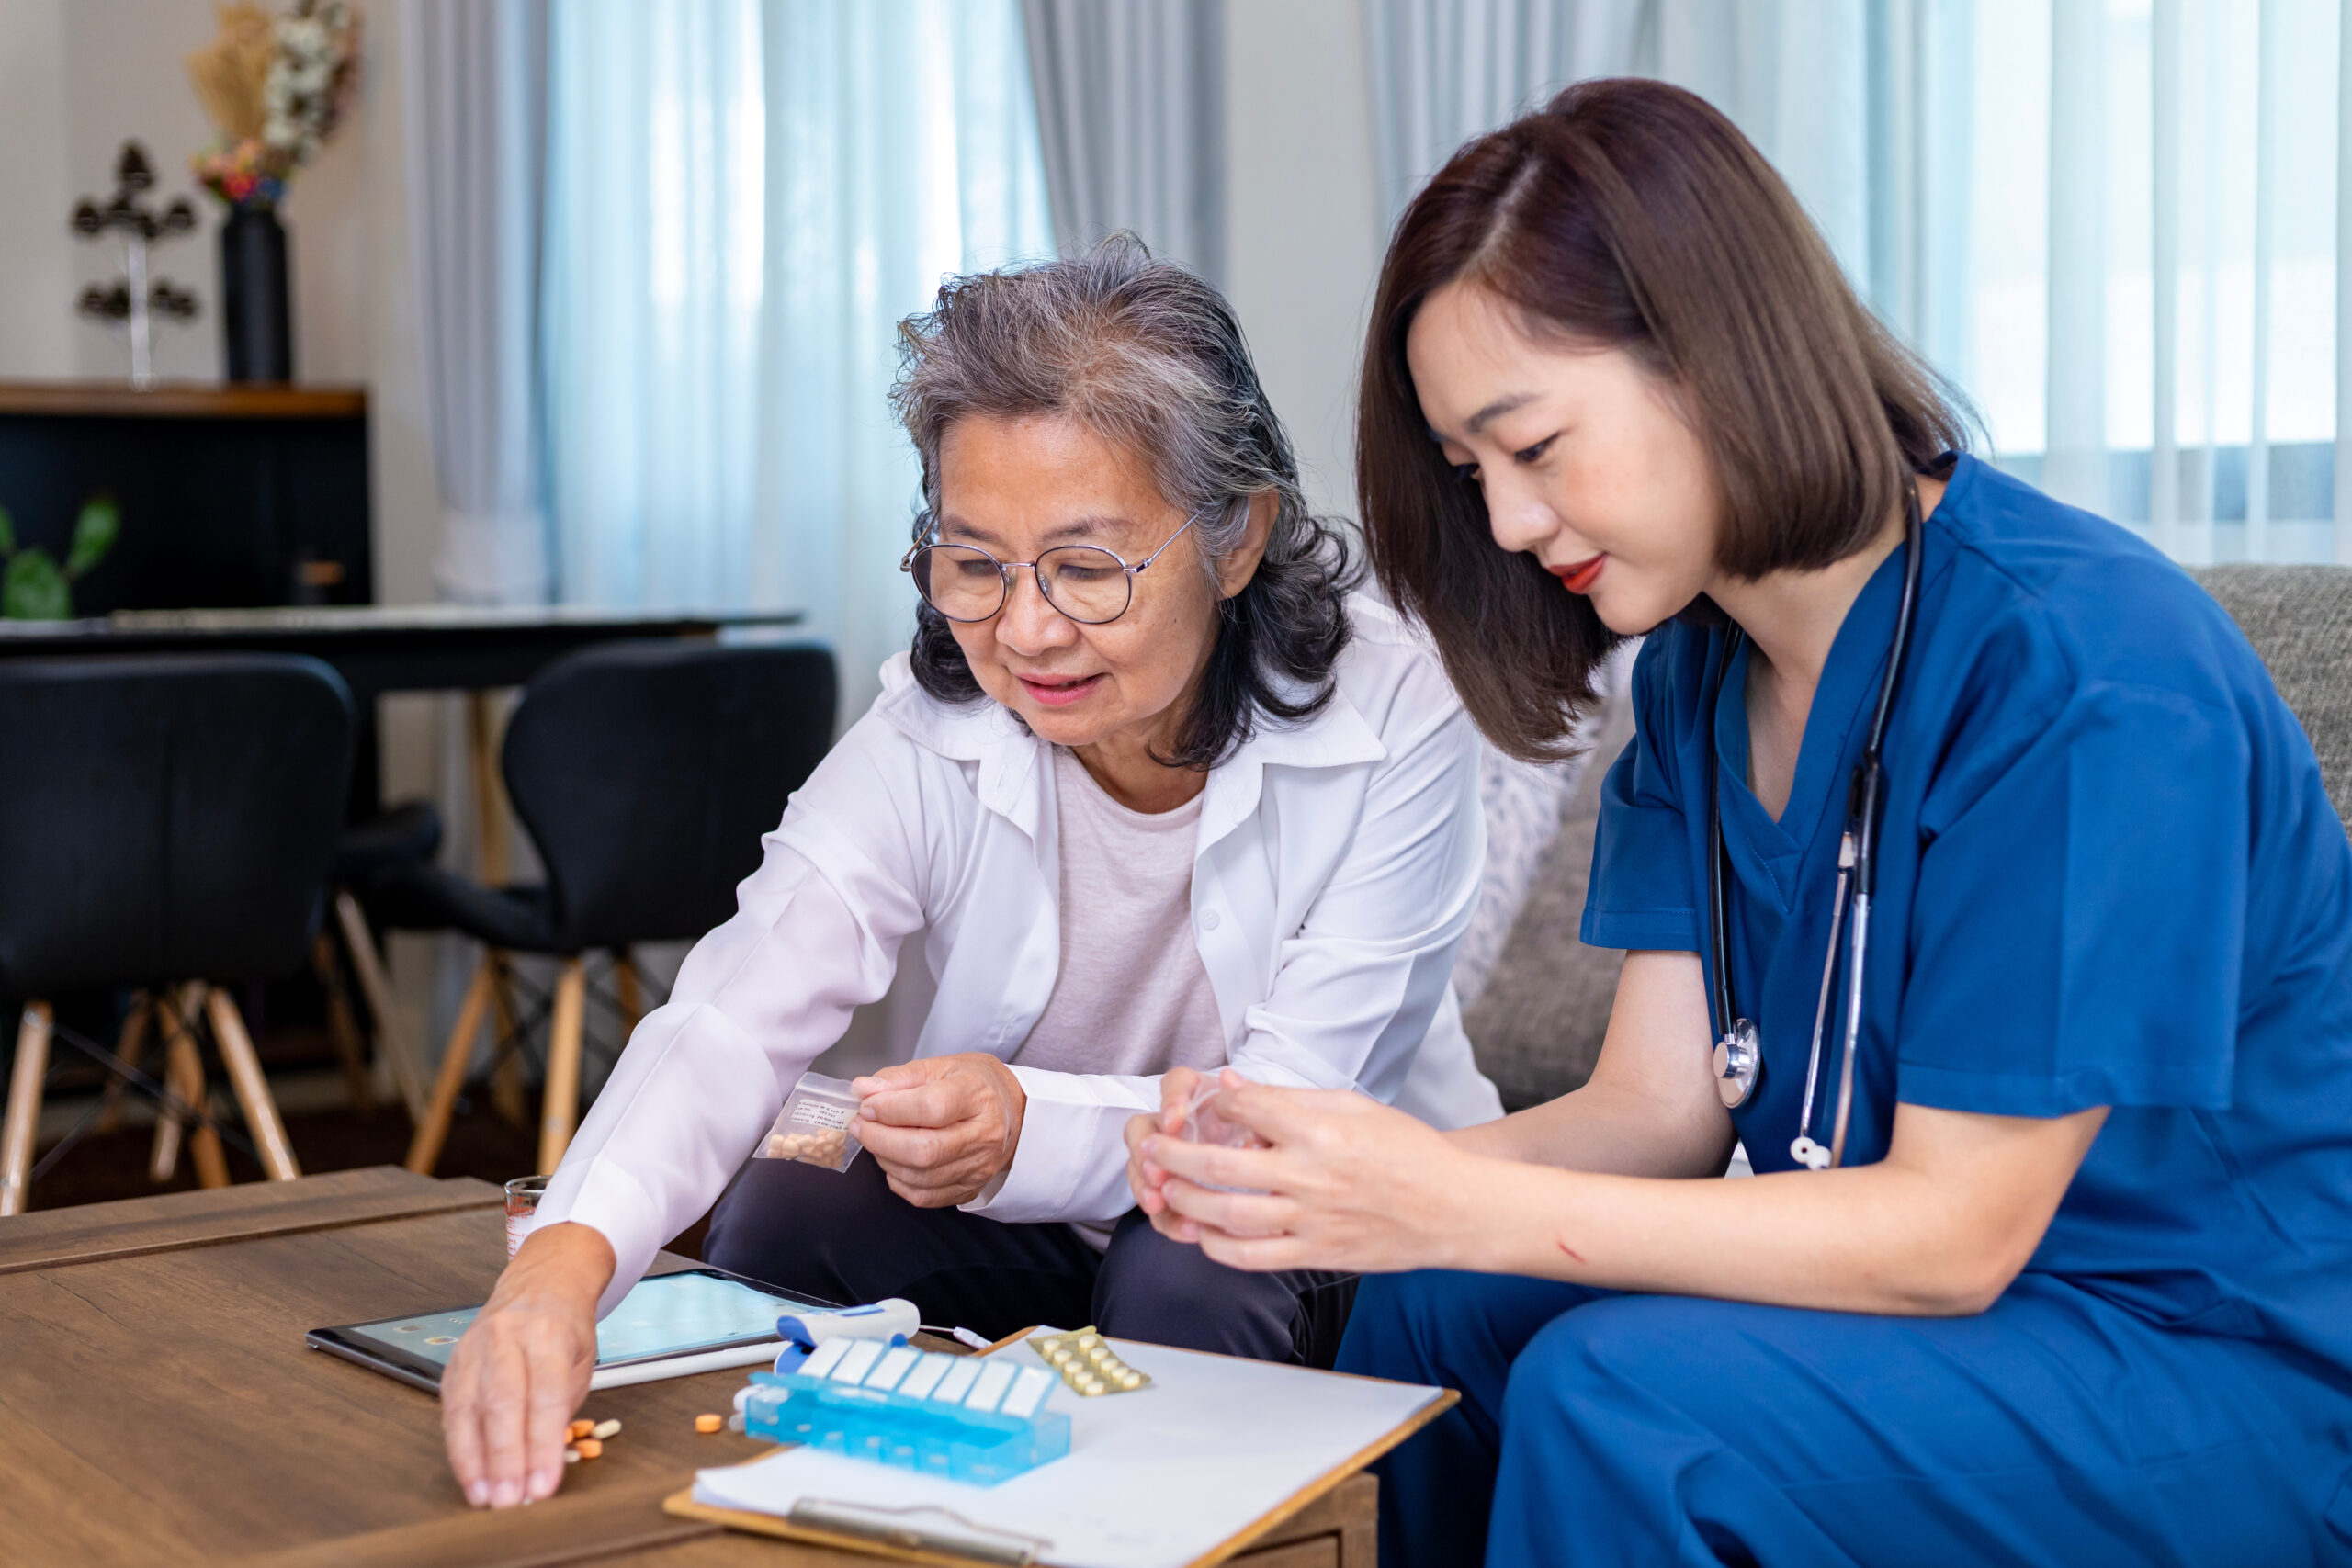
2108	875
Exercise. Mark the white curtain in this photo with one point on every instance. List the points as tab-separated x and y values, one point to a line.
651	298
1131	101
473	83
2141	291
1795	76
744	200
902	149
2113	222
1444	70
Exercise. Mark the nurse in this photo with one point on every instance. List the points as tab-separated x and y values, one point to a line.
2062	1271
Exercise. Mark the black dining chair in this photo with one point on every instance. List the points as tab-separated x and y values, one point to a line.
165	828
406	833
645	773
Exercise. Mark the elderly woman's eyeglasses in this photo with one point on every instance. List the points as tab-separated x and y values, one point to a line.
1085	583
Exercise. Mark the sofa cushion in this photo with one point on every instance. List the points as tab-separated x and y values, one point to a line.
1536	1026
2300	620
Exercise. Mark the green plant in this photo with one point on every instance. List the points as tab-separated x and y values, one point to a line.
33	587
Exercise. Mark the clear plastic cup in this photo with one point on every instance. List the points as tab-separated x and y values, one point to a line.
523	1195
1204	1124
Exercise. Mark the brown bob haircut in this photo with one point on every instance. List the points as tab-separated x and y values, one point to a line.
1631	214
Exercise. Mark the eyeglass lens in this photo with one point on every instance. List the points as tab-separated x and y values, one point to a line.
967	584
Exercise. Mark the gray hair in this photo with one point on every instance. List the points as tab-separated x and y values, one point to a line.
1149	357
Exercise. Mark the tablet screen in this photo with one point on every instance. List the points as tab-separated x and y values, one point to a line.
667	1314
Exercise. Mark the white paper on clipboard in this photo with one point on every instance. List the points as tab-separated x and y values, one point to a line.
1153	1479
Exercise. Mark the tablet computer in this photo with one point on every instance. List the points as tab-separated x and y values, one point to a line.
694	1312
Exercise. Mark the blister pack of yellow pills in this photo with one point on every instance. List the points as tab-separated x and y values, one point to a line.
1087	1363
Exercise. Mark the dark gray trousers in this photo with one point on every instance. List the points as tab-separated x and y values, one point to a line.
844	1237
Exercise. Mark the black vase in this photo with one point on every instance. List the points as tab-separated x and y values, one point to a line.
256	311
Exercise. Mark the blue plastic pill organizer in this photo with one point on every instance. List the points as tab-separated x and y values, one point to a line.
964	1417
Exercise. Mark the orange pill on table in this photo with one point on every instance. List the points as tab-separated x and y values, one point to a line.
709	1422
579	1428
588	1447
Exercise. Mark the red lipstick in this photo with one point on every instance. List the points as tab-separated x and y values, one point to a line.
1577	577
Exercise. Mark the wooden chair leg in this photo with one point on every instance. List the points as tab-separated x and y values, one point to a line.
432	1127
129	1045
184	1076
341	1029
376	986
252	1089
626	989
23	1120
506	1097
164	1157
562	1109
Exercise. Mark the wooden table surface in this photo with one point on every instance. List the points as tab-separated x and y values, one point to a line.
158	1404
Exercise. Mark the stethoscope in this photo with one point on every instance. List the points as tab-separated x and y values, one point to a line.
1738	1059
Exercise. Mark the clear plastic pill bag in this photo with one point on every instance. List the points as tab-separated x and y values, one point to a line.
817	1126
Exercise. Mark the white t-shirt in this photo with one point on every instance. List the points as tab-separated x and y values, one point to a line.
1131	996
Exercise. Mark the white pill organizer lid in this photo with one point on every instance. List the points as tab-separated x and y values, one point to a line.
857	1360
995	1378
825	1357
892	1367
919	1382
959	1381
1028	1392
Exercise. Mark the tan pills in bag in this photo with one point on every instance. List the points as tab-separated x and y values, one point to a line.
817	1125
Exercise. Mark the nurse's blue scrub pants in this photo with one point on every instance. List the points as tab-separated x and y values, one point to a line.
2053	1428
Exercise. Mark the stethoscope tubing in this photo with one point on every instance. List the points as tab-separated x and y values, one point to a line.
1857	870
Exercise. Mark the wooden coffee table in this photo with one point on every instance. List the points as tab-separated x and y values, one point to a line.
158	1405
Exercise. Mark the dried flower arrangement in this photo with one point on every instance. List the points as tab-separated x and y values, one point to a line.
274	89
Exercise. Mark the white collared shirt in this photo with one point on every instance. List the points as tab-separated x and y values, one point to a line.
1336	866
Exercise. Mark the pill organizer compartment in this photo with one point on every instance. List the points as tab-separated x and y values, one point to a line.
817	1126
958	1416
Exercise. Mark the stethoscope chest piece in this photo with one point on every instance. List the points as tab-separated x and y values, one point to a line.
1739	1061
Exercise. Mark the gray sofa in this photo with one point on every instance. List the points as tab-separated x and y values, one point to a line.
1537	1025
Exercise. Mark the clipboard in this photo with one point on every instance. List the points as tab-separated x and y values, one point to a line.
906	1535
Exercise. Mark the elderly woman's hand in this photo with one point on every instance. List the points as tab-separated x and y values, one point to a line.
1347	1183
1177	1086
942	1128
522	1366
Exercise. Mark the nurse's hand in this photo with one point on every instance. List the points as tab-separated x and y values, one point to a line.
942	1128
522	1367
1346	1184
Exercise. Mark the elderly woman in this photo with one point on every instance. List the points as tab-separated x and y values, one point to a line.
1153	792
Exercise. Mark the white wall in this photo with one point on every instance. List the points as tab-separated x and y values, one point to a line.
80	77
36	268
1303	232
